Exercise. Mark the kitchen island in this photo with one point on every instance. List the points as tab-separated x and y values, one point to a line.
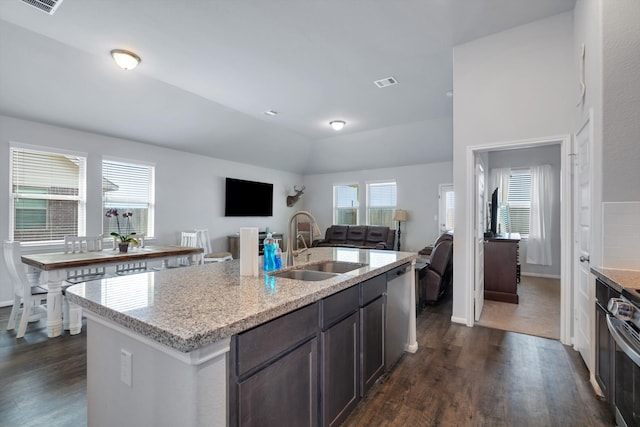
158	343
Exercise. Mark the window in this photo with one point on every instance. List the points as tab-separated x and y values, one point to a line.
47	195
514	217
381	202
447	204
128	187
345	204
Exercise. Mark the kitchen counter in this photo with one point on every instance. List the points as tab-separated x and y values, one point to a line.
158	343
618	279
188	308
626	282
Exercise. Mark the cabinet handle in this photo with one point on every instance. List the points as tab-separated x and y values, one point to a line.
584	258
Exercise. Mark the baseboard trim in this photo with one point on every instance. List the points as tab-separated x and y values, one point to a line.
595	385
462	320
543	276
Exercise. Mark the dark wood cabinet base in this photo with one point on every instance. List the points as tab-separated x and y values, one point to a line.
501	296
501	268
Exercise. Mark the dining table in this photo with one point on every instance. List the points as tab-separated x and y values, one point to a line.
55	267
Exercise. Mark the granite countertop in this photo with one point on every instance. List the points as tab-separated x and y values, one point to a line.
620	280
190	307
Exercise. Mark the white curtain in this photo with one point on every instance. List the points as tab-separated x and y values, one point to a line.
500	178
539	242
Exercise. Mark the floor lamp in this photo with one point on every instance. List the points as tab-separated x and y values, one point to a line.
399	215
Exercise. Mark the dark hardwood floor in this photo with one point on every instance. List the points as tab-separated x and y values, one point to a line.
478	376
459	377
42	381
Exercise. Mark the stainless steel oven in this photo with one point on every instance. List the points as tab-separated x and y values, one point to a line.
624	325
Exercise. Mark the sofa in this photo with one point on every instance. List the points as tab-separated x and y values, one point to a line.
358	236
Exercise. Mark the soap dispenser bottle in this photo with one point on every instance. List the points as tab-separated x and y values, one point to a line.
278	255
269	247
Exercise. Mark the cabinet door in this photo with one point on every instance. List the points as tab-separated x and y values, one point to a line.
372	321
604	353
340	370
285	393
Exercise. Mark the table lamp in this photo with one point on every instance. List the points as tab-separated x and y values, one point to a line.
399	215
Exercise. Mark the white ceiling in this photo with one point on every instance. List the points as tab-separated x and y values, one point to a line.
211	68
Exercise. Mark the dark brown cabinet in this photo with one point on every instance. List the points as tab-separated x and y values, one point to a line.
311	366
605	346
283	393
501	268
372	318
274	372
340	377
372	327
340	356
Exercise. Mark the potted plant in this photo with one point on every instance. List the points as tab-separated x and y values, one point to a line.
124	238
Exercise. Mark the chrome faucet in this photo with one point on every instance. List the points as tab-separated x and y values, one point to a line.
315	231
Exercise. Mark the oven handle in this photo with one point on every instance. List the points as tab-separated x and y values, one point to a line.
621	340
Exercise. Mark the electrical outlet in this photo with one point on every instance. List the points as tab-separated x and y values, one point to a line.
125	366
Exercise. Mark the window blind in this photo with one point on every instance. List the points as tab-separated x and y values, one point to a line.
515	216
382	201
48	195
345	204
128	187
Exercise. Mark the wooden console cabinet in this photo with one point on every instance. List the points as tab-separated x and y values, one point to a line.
234	243
501	265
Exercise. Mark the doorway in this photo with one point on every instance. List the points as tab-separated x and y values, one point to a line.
563	276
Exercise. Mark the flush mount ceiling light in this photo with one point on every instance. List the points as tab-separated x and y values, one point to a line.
125	59
271	113
337	124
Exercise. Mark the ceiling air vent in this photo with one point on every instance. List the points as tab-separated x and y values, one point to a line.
48	6
386	82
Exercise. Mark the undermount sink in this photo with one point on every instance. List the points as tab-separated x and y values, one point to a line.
307	275
320	271
334	266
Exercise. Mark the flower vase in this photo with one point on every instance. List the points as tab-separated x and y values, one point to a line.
124	247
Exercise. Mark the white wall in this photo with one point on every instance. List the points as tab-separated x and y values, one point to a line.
189	188
527	157
587	16
514	85
621	100
417	193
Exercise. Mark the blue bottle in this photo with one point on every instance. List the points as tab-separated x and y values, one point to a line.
269	256
278	256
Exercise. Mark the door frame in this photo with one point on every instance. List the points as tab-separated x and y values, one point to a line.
478	236
566	226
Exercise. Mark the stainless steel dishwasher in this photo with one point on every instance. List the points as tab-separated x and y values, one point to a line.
398	304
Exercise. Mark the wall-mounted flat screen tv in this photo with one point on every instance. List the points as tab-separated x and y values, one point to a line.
248	198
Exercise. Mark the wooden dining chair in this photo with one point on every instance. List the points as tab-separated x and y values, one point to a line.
204	242
188	239
81	244
29	295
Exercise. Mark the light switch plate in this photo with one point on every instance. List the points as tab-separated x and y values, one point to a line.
125	366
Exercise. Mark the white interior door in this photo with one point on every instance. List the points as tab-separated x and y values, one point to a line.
446	208
582	234
479	241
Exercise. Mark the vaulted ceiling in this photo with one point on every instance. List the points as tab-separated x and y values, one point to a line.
210	69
